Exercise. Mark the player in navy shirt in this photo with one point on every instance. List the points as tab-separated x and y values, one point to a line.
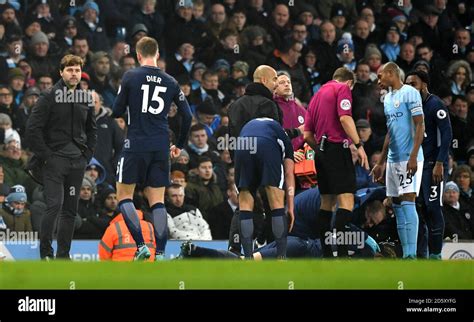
264	158
438	135
146	94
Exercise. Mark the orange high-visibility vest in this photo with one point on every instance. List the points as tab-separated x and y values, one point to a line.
117	244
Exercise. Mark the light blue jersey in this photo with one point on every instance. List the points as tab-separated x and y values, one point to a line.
399	107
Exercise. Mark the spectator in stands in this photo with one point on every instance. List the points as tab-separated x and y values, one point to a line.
460	74
391	46
184	28
255	40
372	142
68	32
80	47
362	93
87	212
146	14
203	189
14	51
41	60
198	10
459	49
128	62
13	165
16	80
220	217
109	138
182	61
7	105
97	172
227	48
238	19
464	178
9	133
178	177
217	21
185	222
206	115
24	110
117	234
92	27
373	57
307	15
428	28
14	212
458	219
375	33
45	82
100	80
288	60
258	12
462	130
31	27
299	33
345	54
338	18
360	37
9	20
119	49
279	25
209	87
326	49
312	69
239	73
406	59
198	146
436	63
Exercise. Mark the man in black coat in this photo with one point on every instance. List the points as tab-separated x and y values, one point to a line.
109	137
220	217
62	134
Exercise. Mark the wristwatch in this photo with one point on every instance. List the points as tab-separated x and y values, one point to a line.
358	145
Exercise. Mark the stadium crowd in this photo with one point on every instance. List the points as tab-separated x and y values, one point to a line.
212	49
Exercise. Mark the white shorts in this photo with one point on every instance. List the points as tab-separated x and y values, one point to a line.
397	180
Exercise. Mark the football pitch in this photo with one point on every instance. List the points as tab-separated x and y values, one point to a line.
234	274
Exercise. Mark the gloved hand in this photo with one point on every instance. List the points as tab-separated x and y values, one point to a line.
369	241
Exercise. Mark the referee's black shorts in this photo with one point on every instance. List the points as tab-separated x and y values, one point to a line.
336	172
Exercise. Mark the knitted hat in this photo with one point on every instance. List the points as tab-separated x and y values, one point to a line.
15	73
137	28
39	37
207	107
451	185
372	50
242	66
32	91
91	5
17	194
221	64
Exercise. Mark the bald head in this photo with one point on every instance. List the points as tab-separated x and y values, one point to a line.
265	75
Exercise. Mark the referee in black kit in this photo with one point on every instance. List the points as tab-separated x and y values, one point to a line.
330	130
62	134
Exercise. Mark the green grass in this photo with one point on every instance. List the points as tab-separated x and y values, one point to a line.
215	274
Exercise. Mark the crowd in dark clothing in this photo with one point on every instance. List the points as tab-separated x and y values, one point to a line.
212	48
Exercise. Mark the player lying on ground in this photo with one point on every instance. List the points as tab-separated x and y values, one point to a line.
302	241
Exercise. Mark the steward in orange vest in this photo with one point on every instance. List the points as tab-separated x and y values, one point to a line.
117	243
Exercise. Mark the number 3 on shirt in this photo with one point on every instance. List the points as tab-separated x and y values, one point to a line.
156	97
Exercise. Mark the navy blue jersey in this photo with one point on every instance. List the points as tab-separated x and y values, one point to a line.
307	204
438	133
269	129
146	93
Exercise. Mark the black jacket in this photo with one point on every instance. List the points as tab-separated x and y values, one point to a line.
110	140
52	125
257	102
219	220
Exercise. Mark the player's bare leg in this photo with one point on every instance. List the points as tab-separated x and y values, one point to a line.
246	203
127	208
156	198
